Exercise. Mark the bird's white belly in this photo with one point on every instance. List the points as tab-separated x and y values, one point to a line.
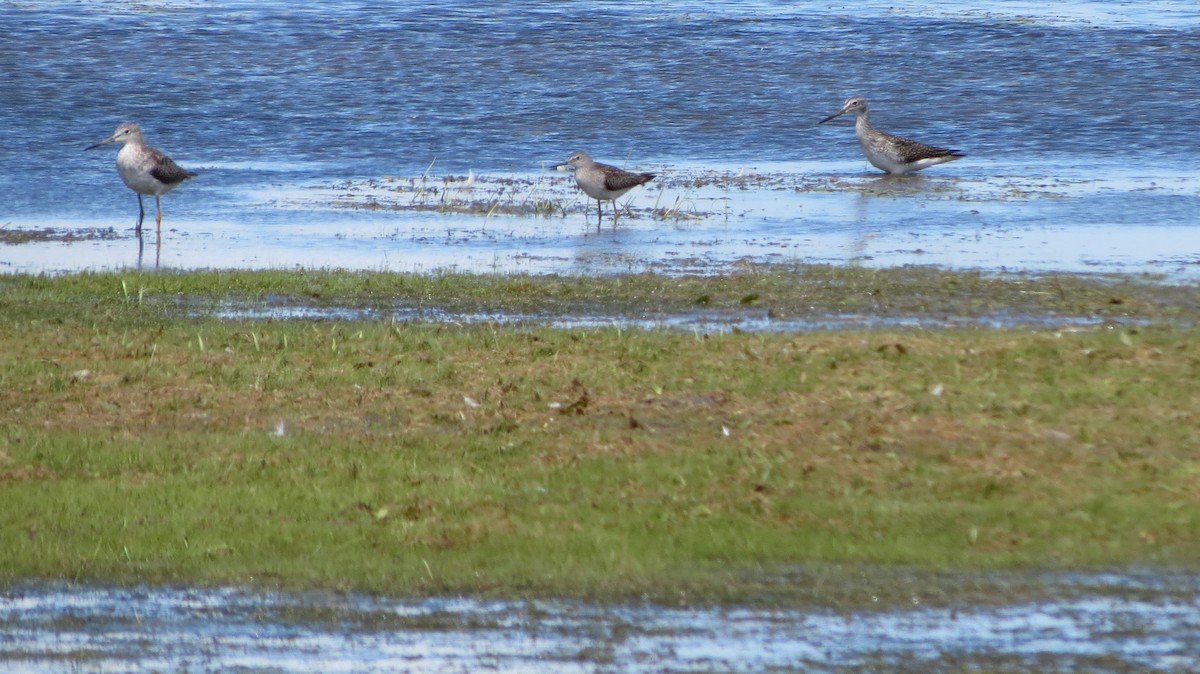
135	172
884	161
593	186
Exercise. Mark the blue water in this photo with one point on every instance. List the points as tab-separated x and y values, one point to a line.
268	96
1101	623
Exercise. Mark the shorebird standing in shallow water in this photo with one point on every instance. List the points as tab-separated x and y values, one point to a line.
144	169
895	154
603	182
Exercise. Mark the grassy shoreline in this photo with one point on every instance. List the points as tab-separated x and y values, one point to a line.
782	290
146	441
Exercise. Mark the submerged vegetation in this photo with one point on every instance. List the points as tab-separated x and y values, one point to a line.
146	439
675	195
15	237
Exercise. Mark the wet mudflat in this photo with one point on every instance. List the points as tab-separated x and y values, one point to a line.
693	220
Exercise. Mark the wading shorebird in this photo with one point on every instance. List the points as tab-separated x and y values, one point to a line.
895	154
144	169
603	182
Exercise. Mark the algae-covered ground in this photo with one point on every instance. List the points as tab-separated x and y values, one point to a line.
163	428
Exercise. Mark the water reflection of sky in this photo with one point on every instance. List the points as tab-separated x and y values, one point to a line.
1153	628
1174	13
1055	219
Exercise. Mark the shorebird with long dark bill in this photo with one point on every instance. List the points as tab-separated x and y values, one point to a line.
145	170
603	182
895	154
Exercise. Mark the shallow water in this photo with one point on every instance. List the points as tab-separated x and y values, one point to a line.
275	104
1096	623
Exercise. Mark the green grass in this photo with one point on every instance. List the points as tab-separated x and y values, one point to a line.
785	291
145	441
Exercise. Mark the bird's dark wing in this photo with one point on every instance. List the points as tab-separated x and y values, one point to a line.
616	179
166	171
912	151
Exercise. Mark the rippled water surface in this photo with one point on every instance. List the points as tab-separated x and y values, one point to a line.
1095	623
1078	120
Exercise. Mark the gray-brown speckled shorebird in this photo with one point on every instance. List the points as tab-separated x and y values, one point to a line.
144	169
895	154
603	182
